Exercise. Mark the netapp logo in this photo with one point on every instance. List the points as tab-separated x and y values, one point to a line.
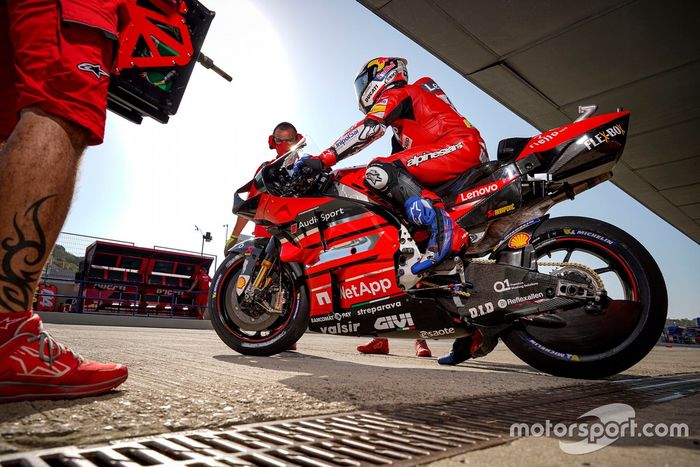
369	288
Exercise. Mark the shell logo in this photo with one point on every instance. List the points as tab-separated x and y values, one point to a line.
240	283
519	240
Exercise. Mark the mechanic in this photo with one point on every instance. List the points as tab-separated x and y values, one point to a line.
283	137
55	59
200	282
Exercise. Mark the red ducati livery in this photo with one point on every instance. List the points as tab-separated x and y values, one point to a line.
571	296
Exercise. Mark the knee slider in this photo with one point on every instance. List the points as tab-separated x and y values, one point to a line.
392	181
379	176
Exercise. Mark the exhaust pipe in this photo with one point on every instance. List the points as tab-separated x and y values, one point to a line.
498	229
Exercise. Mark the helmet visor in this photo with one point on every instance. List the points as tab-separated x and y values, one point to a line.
361	83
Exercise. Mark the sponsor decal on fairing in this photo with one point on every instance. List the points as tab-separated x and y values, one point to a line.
323	298
504	302
604	136
340	328
505	285
363	288
437	333
325	217
338	316
481	310
401	321
547	137
497	212
519	240
374	309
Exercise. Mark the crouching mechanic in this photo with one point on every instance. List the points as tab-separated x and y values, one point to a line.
437	145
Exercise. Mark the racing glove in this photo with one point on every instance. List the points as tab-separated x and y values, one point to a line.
314	164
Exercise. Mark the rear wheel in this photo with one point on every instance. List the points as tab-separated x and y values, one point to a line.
272	323
595	345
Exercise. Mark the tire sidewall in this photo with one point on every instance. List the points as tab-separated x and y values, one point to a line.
296	325
651	293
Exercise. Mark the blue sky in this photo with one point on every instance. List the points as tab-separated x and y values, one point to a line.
296	60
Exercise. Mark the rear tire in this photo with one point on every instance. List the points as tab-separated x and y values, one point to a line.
229	321
596	346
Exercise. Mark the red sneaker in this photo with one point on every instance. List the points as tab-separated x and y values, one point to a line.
379	346
34	366
422	349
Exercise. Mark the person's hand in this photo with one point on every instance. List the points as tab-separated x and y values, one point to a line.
311	164
232	240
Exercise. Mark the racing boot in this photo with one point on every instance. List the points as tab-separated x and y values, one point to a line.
378	346
445	235
34	366
467	347
422	349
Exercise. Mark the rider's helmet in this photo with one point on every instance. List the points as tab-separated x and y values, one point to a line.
376	76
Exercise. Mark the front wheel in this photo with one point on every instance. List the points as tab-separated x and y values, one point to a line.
270	325
595	345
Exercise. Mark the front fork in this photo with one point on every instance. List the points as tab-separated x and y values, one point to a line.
265	257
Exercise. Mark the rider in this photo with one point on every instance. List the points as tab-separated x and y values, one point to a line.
437	144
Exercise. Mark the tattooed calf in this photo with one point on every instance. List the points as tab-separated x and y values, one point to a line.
23	256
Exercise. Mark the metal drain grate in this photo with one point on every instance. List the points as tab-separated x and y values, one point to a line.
407	436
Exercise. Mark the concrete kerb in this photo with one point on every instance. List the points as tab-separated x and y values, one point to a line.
121	320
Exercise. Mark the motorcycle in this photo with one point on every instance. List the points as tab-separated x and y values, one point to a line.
570	296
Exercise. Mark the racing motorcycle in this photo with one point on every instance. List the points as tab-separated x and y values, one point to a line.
570	296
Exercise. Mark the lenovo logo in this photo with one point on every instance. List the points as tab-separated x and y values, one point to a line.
478	192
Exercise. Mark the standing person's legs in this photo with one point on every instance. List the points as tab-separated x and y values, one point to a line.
38	167
53	106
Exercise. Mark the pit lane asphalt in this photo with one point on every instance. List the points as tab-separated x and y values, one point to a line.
185	379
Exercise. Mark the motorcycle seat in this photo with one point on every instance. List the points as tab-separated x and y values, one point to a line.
509	148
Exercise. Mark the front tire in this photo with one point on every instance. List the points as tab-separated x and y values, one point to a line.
244	328
594	346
